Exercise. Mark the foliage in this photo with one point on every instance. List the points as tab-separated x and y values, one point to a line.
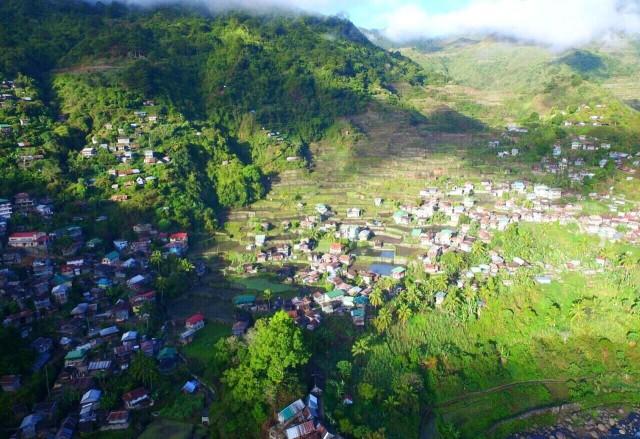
260	374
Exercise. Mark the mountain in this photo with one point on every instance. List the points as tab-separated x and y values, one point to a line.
497	80
221	84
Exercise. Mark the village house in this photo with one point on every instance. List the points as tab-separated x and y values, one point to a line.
195	322
111	258
28	240
23	202
88	152
117	420
6	208
335	249
401	217
10	383
137	399
354	212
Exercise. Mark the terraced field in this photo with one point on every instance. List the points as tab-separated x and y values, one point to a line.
393	161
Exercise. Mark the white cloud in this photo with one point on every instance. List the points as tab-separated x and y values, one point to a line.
321	6
555	23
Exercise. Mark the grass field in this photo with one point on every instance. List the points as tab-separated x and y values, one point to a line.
166	429
202	347
257	284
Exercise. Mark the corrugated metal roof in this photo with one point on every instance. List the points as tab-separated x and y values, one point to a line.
99	365
300	430
290	411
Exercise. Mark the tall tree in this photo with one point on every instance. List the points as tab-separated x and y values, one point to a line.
383	321
144	369
268	295
404	313
376	298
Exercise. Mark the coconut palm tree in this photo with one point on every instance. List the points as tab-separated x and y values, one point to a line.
268	295
376	298
383	321
161	284
156	258
361	346
186	265
404	313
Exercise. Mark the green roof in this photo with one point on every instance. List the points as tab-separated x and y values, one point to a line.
167	352
398	270
335	294
78	354
244	299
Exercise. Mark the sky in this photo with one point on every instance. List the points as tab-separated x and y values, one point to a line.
557	24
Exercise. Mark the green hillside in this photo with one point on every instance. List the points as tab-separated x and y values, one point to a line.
222	85
498	81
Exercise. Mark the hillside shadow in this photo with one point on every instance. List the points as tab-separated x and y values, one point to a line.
392	132
584	62
633	103
448	120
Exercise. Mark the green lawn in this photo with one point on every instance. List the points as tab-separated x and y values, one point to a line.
202	347
120	434
165	429
262	282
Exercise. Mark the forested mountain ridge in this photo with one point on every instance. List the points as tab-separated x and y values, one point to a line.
221	84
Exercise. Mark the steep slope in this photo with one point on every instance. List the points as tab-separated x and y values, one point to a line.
236	95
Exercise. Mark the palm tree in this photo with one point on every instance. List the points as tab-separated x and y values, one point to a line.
144	369
404	313
161	284
438	283
383	321
376	298
361	346
156	258
268	295
186	265
579	311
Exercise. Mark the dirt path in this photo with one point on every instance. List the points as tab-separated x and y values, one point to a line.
497	389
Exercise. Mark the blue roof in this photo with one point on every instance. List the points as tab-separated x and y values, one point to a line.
112	256
244	299
361	300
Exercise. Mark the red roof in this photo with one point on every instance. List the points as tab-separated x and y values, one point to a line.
195	319
138	393
118	416
18	235
180	236
143	297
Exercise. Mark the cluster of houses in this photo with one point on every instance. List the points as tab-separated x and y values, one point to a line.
491	206
127	148
23	204
585	116
95	333
13	128
575	162
616	227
